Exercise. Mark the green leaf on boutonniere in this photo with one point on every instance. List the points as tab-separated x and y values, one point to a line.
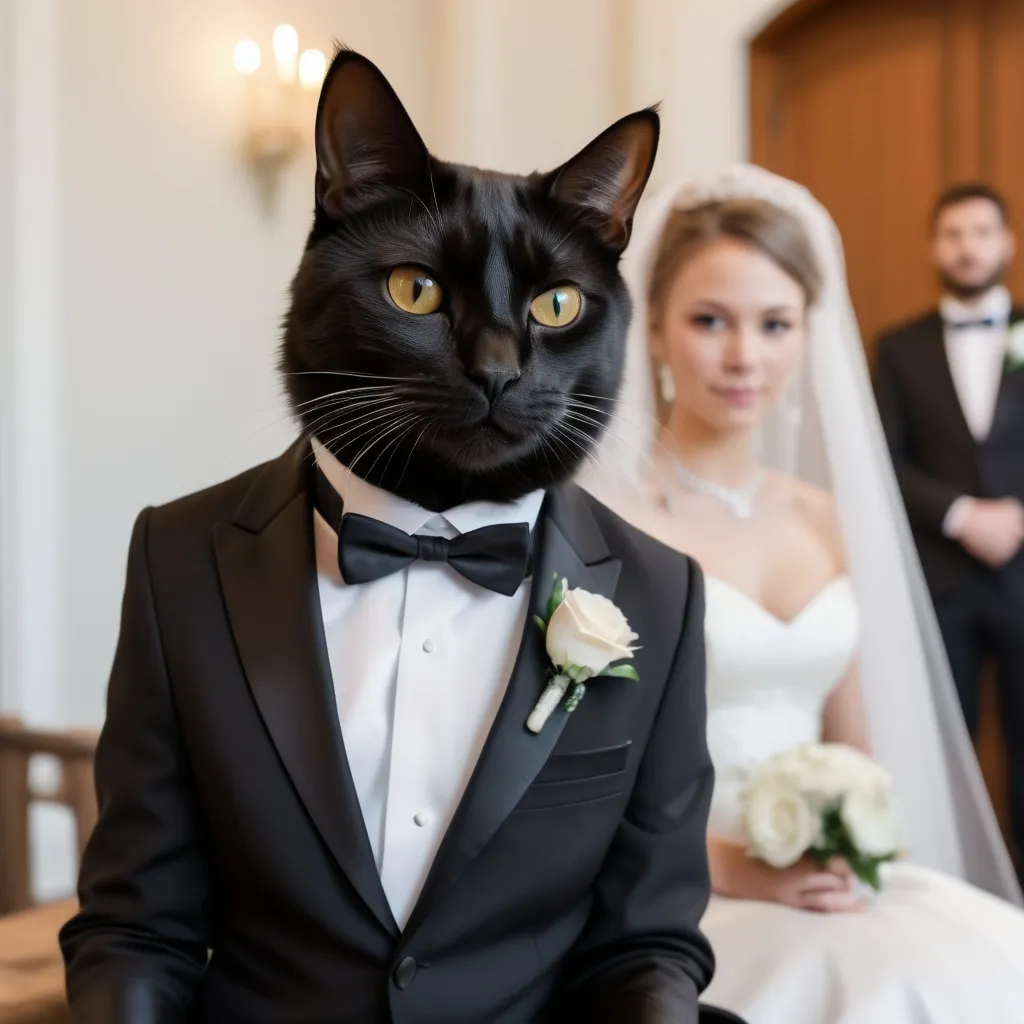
541	623
557	596
577	674
1015	347
574	698
623	672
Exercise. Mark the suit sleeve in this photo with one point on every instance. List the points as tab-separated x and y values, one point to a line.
927	499
138	945
643	958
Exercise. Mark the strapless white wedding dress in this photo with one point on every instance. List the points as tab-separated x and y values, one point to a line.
929	950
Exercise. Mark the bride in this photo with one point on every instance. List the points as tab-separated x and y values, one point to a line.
769	467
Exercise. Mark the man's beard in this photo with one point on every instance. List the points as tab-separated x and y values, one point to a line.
969	291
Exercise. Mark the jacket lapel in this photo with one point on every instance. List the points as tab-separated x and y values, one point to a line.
267	566
1011	390
569	545
944	389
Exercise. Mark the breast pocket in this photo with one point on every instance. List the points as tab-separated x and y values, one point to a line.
578	777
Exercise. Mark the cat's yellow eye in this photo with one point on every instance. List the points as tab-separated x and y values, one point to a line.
414	290
557	307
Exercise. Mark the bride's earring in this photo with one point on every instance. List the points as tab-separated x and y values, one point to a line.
666	383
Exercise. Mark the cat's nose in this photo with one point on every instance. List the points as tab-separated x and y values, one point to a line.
493	362
493	380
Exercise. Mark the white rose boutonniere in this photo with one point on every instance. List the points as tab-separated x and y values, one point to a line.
1015	348
584	634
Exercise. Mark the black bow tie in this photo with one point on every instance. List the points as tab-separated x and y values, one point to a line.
495	557
966	325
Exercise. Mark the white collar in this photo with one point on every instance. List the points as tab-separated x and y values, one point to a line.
996	304
367	500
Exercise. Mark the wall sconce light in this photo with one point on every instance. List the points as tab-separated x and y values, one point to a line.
277	112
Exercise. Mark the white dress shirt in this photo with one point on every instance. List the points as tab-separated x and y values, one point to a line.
420	661
977	355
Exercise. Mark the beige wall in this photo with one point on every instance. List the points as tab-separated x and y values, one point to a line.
141	287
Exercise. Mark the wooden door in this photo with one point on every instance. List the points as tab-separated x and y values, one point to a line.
866	102
1002	113
875	105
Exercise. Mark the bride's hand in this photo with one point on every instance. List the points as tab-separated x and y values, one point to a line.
829	889
805	885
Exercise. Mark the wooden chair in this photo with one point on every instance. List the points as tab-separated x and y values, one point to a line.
713	1015
31	970
74	752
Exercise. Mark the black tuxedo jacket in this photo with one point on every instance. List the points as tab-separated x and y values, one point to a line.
935	455
230	877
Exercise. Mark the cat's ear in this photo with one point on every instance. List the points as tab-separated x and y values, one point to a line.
365	141
607	178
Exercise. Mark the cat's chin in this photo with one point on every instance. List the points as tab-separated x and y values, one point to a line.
484	449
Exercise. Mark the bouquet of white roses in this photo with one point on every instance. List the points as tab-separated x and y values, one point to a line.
827	800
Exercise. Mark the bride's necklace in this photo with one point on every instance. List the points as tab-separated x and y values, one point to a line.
738	500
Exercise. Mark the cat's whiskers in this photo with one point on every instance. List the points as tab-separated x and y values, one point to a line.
336	414
647	420
409	423
567	433
542	448
557	435
345	392
418	379
603	464
378	436
609	429
346	401
368	419
359	427
288	414
405	433
430	214
433	191
408	458
331	401
620	406
612	429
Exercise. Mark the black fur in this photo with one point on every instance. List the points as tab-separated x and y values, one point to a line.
428	425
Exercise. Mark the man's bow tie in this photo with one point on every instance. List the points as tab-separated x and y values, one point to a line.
966	325
495	557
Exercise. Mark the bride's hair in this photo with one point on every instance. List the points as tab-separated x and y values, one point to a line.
768	228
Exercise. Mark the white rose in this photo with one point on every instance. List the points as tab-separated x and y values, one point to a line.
588	631
869	818
1015	348
824	772
781	825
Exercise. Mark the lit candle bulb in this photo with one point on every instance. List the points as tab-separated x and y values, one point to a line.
286	50
247	56
312	68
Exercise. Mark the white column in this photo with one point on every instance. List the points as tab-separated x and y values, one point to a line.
709	91
466	123
33	511
6	341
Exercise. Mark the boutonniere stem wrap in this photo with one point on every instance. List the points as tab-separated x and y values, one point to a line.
585	634
1015	347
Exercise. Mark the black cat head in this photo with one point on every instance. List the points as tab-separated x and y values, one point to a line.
458	334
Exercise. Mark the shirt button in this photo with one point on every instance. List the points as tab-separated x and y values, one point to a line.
428	646
421	819
405	972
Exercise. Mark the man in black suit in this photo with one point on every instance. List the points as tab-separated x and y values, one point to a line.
574	872
950	391
320	800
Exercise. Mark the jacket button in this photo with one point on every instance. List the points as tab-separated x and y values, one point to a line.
405	972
